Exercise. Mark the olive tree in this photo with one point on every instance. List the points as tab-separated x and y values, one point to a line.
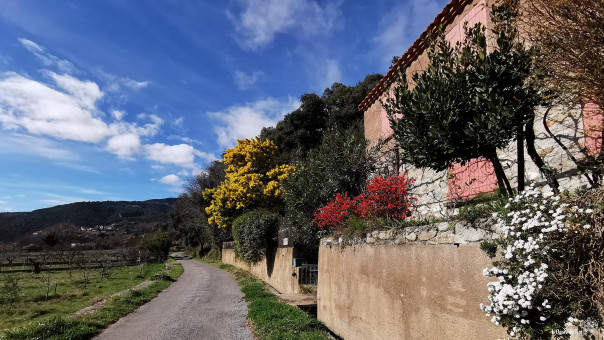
468	102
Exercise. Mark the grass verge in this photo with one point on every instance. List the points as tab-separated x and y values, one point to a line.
271	318
85	326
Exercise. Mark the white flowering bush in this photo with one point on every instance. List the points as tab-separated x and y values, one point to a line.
526	296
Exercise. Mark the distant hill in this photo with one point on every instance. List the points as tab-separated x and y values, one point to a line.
127	216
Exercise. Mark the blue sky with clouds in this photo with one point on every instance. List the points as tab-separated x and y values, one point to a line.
125	100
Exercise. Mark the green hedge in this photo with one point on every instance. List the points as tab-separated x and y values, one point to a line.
254	232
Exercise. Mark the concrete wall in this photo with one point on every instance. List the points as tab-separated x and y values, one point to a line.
405	291
279	276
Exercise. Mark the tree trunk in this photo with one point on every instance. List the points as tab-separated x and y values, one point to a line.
568	153
520	157
502	180
529	135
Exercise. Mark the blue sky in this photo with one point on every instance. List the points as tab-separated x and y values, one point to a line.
126	100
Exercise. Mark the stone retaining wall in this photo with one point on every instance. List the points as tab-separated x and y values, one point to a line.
418	283
452	232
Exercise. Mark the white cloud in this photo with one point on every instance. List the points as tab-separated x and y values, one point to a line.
244	80
43	110
259	21
181	154
72	115
247	120
124	145
17	143
86	93
46	58
171	179
401	26
148	129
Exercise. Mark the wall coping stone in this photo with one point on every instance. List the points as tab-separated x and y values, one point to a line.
448	232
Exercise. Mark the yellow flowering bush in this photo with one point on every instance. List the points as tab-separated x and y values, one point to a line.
253	180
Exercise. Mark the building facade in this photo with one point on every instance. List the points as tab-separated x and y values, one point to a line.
578	129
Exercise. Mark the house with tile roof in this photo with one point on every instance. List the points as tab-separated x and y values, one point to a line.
579	130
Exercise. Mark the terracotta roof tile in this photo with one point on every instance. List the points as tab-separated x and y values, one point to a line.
445	17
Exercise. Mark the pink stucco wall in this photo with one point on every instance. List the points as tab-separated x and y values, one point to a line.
592	125
465	181
468	180
479	13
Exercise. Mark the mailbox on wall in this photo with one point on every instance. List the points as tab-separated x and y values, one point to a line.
298	262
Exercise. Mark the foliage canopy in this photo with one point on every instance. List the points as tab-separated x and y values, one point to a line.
342	163
252	180
253	233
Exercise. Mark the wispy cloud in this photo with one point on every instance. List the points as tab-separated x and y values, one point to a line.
115	83
56	199
328	73
88	191
47	58
178	121
400	27
246	81
21	144
246	121
80	167
257	22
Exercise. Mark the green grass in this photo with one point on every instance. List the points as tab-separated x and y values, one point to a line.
71	295
59	325
271	318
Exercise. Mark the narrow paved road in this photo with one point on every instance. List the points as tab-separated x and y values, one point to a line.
205	303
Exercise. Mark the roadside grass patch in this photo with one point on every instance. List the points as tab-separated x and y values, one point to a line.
61	326
271	318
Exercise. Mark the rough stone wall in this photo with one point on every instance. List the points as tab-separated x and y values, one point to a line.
567	126
276	271
421	283
447	232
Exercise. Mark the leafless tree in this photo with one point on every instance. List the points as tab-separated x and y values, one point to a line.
569	36
44	279
85	262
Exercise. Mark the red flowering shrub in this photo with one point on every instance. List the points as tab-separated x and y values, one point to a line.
383	198
390	196
334	215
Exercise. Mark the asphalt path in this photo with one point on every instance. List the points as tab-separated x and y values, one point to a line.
205	303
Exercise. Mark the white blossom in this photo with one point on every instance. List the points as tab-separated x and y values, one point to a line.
533	216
